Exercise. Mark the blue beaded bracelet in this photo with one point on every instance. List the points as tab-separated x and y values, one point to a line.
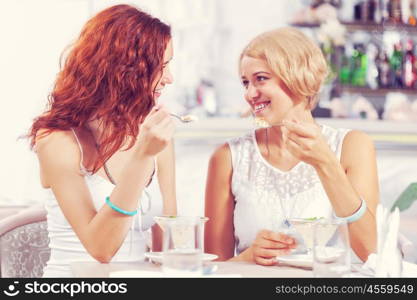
118	209
356	215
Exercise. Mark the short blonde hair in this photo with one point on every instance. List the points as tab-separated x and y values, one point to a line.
294	58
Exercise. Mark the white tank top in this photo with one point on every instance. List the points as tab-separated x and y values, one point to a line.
65	245
265	196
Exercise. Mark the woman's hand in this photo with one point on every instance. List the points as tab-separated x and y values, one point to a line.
268	245
155	132
305	142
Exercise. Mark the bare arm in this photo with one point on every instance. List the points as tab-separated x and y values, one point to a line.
101	232
355	177
106	229
166	178
219	205
345	182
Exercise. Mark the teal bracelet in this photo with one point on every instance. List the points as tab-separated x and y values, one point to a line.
356	215
119	210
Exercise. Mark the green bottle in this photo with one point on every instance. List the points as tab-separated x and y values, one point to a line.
360	63
396	64
345	72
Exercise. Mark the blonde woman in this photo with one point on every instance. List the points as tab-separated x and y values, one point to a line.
294	168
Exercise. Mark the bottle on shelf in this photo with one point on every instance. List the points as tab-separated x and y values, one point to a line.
359	11
371	66
384	9
375	5
384	71
409	71
366	11
412	20
372	69
396	65
372	11
405	11
413	13
394	9
415	66
387	61
395	12
359	66
345	69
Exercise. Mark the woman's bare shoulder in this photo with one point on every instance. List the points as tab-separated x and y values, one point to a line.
357	140
221	161
55	141
358	147
57	151
222	154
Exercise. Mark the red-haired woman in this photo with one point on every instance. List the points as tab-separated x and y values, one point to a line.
104	145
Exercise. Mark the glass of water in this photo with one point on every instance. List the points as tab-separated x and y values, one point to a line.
304	228
331	249
183	238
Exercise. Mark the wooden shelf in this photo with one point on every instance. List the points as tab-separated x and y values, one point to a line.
377	92
355	26
367	26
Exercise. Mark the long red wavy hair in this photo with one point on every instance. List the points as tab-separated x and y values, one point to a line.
108	75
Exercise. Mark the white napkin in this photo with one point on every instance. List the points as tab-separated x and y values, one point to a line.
387	262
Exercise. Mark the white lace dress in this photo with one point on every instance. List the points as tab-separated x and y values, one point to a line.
265	196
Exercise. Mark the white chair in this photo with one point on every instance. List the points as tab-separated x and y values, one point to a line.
24	242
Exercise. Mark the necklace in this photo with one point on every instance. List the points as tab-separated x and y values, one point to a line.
285	222
267	142
286	214
106	170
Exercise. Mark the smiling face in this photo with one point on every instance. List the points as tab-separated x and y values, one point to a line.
267	96
166	76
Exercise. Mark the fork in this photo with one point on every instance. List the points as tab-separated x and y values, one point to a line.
185	118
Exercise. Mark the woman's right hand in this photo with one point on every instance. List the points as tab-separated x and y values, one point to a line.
268	245
155	132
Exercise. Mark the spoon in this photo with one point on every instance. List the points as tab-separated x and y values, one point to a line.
185	118
261	122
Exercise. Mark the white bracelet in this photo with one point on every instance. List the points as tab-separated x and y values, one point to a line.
356	215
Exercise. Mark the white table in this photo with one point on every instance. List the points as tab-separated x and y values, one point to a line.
228	269
225	269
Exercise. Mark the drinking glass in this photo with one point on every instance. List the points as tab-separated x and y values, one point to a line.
303	228
183	245
331	248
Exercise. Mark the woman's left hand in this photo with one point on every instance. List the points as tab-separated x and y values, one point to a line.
305	142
